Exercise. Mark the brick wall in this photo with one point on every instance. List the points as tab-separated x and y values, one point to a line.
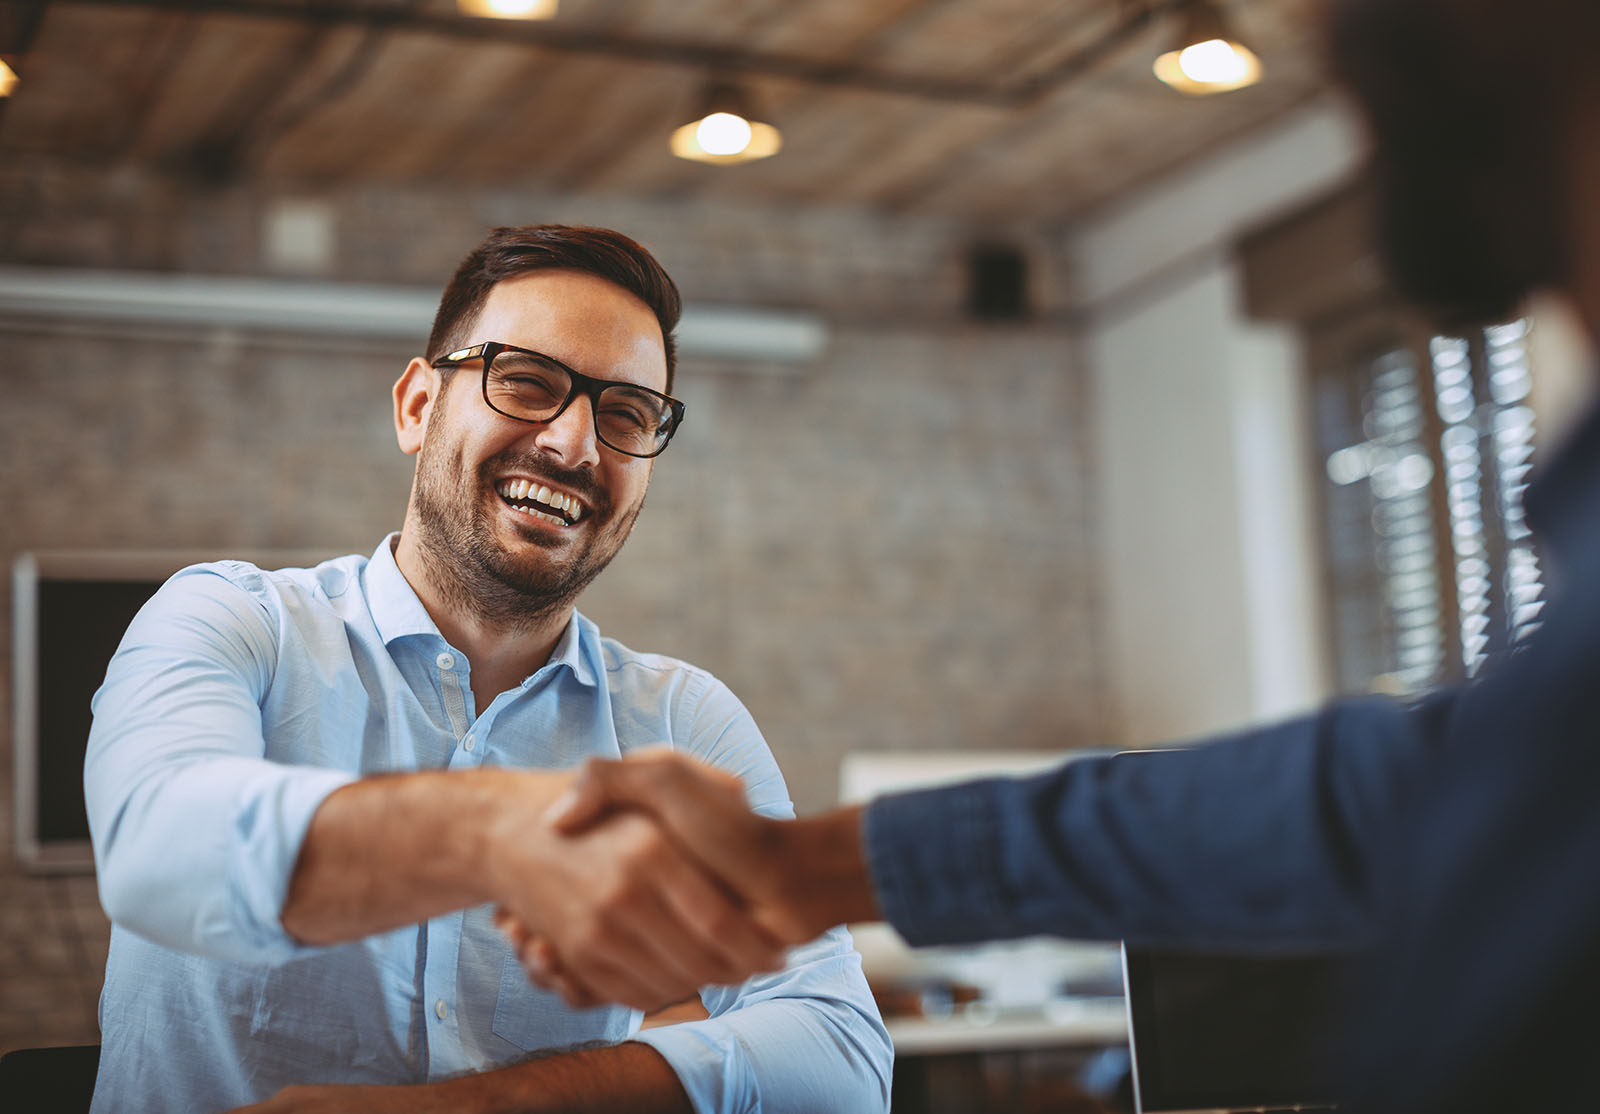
890	549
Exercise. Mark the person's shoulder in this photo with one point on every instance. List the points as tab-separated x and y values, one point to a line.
617	658
273	588
640	674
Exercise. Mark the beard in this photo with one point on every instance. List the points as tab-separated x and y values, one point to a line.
1466	162
470	566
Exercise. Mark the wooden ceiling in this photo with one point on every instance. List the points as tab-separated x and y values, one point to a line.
989	109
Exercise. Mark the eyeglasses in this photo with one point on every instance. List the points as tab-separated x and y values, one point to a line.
529	386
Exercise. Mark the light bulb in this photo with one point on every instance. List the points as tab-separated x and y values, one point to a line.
509	9
1213	62
8	80
723	133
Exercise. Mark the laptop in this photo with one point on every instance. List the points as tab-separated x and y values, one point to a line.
1229	1034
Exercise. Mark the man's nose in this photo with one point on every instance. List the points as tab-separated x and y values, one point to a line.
570	434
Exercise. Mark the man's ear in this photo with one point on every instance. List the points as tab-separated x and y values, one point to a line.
415	393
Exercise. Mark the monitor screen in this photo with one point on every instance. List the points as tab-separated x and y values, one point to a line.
1231	1032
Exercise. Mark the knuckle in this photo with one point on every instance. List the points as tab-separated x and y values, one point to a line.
647	856
616	900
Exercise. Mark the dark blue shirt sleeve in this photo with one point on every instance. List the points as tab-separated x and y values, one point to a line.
1261	841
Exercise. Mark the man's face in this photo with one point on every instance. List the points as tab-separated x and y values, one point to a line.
507	559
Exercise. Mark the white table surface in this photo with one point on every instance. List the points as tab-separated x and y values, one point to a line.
1062	1023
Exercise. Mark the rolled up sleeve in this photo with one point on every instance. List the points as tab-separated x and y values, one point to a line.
806	1038
195	832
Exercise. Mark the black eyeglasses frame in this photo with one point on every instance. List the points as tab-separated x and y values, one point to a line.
581	384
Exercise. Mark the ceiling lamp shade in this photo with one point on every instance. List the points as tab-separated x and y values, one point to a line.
8	79
1208	58
508	9
725	131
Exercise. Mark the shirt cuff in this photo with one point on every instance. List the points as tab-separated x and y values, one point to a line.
710	1063
268	830
930	857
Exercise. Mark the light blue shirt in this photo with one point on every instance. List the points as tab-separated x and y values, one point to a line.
237	701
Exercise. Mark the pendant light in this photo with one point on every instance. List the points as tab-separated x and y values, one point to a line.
508	9
725	130
15	37
1208	57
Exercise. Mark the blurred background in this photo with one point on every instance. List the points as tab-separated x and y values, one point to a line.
1036	402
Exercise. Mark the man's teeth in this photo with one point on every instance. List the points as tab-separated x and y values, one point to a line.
538	493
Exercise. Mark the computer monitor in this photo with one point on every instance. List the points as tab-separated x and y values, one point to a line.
1230	1032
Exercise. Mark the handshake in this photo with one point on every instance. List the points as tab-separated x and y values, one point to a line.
651	878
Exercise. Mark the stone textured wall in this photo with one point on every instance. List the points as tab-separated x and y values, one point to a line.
890	549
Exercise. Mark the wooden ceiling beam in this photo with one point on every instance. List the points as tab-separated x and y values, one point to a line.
1009	92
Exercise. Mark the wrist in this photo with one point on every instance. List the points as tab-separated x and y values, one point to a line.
510	824
824	870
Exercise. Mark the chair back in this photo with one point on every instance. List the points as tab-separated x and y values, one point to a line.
49	1080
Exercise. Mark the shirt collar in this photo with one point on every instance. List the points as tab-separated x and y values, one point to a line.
396	610
398	613
579	650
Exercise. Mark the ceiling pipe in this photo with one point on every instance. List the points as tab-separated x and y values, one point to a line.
351	310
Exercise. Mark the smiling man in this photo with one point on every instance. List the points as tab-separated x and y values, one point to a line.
313	792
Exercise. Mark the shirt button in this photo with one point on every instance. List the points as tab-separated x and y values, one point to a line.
470	741
445	661
440	1010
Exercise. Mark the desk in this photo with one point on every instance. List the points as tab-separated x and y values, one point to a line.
1064	1023
978	1063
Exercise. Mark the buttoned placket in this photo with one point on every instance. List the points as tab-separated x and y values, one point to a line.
442	934
467	733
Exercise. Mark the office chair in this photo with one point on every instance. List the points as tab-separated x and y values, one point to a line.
49	1080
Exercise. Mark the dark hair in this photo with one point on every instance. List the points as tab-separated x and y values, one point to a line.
1470	107
509	252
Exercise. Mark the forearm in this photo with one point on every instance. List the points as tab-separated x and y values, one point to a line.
397	849
627	1077
632	1077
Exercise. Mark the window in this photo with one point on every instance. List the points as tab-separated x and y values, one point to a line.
1426	445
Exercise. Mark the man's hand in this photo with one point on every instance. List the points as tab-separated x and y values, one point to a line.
707	810
632	912
634	916
795	878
